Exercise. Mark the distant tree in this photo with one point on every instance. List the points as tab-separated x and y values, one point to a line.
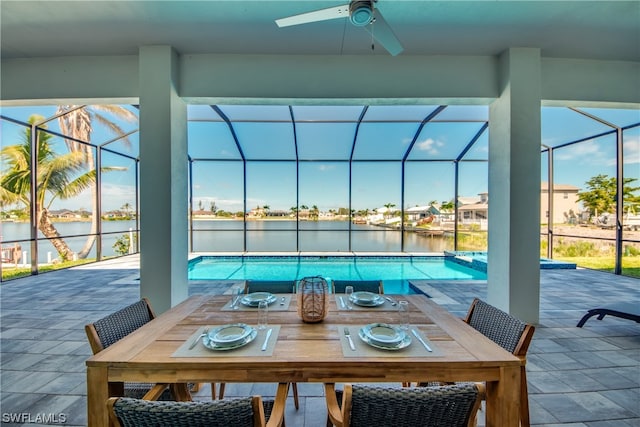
213	208
304	207
389	206
447	206
601	194
314	213
200	205
126	208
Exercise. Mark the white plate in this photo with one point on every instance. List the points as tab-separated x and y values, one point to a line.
406	341
254	298
367	299
230	334
218	347
384	334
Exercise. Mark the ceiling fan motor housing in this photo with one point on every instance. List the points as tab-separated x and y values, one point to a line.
361	12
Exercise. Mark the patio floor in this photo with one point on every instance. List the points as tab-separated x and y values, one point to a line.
577	377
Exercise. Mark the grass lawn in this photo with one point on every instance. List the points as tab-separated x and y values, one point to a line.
14	273
630	265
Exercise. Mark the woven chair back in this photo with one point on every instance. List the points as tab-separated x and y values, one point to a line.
232	412
273	286
358	285
118	325
500	327
449	405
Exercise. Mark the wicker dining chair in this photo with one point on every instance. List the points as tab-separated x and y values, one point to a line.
364	405
114	327
278	287
374	286
510	333
239	412
273	286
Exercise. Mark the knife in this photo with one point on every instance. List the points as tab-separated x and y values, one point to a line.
348	335
342	303
235	301
392	301
421	340
266	340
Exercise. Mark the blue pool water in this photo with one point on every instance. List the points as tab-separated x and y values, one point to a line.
394	271
478	261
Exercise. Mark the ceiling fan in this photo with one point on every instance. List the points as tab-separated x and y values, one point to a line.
361	13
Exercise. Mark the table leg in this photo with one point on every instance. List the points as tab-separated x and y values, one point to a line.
503	399
97	395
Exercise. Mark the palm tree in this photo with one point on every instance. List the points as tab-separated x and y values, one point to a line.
126	208
389	206
59	176
76	122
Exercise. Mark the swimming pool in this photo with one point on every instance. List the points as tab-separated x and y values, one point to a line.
396	272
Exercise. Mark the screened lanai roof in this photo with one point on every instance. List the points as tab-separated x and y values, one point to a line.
344	133
338	133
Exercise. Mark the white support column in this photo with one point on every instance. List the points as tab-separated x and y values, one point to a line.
514	186
163	180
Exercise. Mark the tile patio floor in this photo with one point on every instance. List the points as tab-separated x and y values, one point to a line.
577	377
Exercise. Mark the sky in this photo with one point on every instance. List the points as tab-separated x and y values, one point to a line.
325	141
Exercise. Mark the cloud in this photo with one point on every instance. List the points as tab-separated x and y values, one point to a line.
590	151
430	145
326	168
114	196
631	150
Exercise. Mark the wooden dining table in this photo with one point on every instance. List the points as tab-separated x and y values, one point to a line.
307	352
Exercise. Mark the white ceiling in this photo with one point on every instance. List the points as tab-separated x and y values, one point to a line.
608	30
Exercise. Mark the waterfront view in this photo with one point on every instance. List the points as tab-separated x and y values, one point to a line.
74	233
302	178
312	236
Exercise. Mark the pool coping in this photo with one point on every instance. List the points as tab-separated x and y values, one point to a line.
468	259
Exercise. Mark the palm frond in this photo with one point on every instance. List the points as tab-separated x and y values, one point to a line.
78	185
16	157
113	127
9	197
116	110
16	182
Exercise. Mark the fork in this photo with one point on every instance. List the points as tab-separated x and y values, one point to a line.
195	341
348	335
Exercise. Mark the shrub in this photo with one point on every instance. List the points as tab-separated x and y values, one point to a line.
121	246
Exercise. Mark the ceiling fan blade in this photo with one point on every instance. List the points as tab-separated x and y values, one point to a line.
315	16
382	32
